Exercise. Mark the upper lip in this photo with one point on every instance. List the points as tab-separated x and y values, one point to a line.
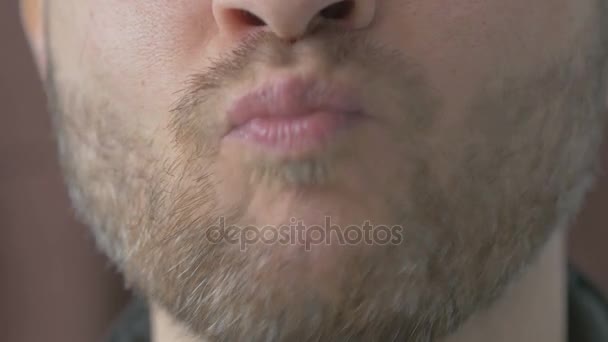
292	97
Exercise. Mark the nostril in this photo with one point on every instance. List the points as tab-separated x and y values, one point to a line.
248	18
338	10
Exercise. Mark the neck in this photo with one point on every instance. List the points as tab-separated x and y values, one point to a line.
165	328
532	309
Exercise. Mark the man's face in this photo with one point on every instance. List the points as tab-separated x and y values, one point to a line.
470	128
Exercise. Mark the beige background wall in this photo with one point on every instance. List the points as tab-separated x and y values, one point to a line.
53	286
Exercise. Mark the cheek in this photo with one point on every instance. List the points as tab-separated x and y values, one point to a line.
135	54
465	45
141	52
151	33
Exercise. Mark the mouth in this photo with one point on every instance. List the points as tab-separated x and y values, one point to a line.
293	116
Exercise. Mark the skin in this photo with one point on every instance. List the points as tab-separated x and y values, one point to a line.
484	123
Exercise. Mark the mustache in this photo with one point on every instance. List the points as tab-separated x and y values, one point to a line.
364	59
333	48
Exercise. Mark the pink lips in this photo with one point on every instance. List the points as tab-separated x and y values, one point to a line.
292	115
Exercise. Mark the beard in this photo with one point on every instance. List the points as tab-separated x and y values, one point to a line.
476	201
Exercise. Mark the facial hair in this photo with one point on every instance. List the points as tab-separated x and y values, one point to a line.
477	203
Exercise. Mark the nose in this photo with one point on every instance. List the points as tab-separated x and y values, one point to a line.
290	19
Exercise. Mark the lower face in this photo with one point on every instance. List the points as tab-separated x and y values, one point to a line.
474	147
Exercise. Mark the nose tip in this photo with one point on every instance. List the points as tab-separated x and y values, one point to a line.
290	19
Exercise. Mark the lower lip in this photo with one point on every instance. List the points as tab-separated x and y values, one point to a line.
293	134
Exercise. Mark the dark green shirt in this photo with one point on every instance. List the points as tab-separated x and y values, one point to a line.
587	316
